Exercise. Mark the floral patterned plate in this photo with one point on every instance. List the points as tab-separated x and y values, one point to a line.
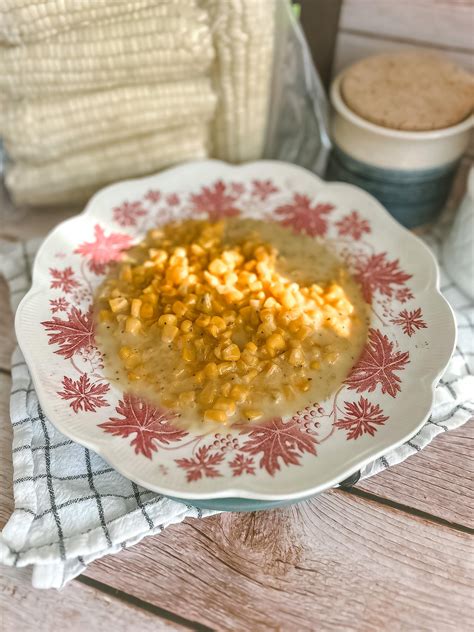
383	402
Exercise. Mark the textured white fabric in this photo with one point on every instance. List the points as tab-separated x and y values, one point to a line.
72	508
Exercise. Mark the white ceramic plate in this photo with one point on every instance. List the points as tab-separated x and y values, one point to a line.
384	401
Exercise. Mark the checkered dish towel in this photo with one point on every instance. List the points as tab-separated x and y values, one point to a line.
72	508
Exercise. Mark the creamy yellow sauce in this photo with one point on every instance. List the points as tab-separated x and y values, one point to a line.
301	259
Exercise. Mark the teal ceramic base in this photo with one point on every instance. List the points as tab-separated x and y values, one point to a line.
239	504
413	197
245	504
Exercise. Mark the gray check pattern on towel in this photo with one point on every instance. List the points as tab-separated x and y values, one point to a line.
72	508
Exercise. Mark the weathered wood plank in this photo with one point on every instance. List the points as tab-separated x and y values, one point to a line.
334	563
6	467
439	480
7	334
443	24
77	608
350	47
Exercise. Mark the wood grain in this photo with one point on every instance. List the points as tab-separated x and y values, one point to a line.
7	335
6	468
350	47
336	562
77	608
440	23
439	480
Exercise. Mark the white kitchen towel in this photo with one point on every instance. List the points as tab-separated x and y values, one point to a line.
72	508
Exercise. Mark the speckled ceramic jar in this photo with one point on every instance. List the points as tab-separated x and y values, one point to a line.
409	172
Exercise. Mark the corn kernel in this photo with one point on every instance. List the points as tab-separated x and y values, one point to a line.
251	347
213	330
208	394
169	333
119	304
275	343
126	273
288	300
239	392
303	385
179	308
132	361
210	370
167	319
250	376
186	326
187	398
133	377
226	367
147	311
252	414
331	357
135	307
314	365
203	320
217	266
189	353
199	377
105	316
132	325
219	323
296	357
124	353
225	389
249	358
232	352
218	416
271	369
225	404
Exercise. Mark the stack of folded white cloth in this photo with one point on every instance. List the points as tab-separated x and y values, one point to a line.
93	91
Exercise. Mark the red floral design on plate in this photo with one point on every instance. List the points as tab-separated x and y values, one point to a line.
242	464
304	218
73	334
403	295
410	321
377	365
353	225
203	464
172	199
361	418
216	200
238	188
150	425
104	249
59	304
63	279
128	212
153	196
262	189
83	394
278	439
376	274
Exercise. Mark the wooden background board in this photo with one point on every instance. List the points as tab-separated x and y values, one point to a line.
368	27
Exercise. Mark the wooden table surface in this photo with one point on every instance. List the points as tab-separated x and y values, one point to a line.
393	553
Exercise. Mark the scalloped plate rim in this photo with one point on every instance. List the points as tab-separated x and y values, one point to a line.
339	473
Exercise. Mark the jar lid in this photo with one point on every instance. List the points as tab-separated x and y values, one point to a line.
411	91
